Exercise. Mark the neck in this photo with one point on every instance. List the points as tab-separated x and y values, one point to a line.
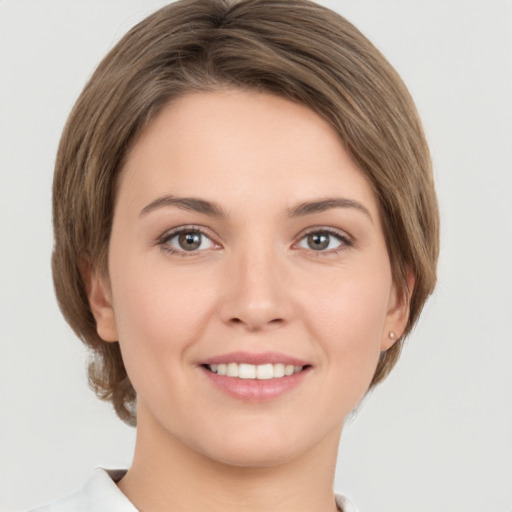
168	475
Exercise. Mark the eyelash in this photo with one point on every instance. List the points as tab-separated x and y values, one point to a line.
169	235
345	240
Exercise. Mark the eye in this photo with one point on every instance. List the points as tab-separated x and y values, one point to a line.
186	240
324	241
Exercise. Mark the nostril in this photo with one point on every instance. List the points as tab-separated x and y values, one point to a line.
256	324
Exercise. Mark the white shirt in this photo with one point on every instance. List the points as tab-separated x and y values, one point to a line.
101	494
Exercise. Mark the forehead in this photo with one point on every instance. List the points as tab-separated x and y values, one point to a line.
232	144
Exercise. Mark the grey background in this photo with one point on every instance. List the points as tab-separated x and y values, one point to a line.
437	436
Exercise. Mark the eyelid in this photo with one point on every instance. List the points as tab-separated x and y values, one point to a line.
171	233
345	239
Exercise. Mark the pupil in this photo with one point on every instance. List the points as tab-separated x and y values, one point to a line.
190	241
318	241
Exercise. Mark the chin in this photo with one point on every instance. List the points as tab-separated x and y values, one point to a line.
259	447
253	456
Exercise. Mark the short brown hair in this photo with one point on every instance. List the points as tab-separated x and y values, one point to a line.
292	48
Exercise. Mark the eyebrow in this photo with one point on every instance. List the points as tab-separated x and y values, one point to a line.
185	203
211	209
310	207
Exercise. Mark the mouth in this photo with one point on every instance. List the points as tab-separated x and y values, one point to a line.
265	371
255	377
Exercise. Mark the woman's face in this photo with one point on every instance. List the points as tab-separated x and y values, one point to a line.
246	240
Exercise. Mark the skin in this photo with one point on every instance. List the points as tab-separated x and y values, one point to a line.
254	284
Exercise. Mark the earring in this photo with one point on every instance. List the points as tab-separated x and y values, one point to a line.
392	335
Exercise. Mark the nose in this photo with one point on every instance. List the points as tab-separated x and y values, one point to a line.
255	294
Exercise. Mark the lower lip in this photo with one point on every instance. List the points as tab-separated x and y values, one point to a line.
255	390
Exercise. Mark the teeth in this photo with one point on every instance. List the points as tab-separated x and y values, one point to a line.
251	371
265	371
247	371
278	370
289	369
232	370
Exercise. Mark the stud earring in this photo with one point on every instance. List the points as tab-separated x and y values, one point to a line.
392	335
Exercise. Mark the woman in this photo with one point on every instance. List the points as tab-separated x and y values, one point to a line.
246	230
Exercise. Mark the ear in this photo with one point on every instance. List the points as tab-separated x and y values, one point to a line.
398	312
100	301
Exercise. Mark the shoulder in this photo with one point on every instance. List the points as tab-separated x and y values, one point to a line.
344	504
99	493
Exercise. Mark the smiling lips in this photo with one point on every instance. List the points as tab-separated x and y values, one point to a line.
255	377
251	371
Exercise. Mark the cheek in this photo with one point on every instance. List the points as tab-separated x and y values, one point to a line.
158	317
159	309
350	303
347	315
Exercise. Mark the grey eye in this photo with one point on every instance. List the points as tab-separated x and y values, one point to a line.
189	241
318	241
321	241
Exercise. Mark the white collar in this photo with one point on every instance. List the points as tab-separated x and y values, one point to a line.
100	493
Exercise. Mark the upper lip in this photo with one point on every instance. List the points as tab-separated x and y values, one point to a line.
255	358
